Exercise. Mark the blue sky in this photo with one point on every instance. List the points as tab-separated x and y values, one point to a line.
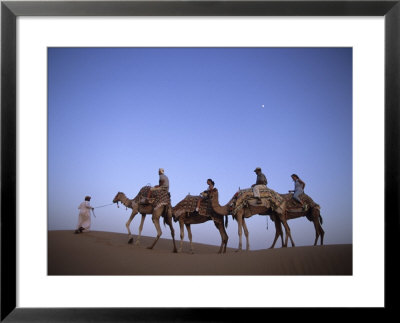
116	115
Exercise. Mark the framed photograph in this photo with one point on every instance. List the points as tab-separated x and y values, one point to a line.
90	89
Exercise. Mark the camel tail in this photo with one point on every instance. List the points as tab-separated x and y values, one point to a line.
226	221
320	219
165	215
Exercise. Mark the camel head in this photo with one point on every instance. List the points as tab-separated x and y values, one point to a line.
213	194
117	198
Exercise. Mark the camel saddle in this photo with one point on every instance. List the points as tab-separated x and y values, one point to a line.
245	197
157	198
293	206
188	205
291	203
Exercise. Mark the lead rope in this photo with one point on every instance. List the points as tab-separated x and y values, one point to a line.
96	207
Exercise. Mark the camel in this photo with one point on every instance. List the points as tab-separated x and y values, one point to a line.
184	212
138	205
294	211
145	209
244	208
249	208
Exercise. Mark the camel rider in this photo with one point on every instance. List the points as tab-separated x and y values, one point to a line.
260	184
298	189
163	183
211	184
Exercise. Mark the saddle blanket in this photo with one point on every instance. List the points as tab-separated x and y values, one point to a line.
274	199
189	204
157	198
291	203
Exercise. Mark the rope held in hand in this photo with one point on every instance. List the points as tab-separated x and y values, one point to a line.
96	207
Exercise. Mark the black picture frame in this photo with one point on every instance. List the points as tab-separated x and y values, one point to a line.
10	10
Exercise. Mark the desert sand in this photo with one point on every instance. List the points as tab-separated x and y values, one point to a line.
108	253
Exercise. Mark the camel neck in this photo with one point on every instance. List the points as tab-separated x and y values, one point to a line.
222	210
125	201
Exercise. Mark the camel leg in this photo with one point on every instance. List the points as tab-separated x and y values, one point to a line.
224	236
189	230
218	226
140	229
182	229
322	233
156	221
246	234
288	234
281	233
278	232
169	221
130	237
316	233
319	232
239	221
225	241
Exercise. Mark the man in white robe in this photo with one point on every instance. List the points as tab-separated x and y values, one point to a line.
84	216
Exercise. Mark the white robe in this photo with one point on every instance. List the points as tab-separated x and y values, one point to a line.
84	215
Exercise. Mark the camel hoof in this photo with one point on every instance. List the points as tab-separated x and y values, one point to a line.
150	247
130	240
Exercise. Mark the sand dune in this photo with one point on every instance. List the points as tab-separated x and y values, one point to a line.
108	253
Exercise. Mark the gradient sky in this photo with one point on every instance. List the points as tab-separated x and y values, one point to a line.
116	115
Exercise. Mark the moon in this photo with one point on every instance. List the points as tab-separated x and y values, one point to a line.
262	106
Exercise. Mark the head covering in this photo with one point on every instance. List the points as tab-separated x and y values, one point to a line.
257	169
161	170
294	175
87	198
